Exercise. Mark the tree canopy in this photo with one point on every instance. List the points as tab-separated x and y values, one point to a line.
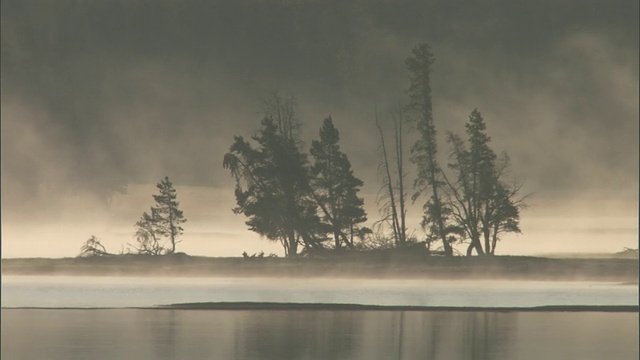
272	181
482	203
335	186
290	199
164	220
283	195
428	181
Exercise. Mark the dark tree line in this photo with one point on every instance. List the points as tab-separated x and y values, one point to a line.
472	201
287	197
312	201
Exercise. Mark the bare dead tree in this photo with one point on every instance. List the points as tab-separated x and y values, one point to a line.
147	241
402	196
93	247
392	197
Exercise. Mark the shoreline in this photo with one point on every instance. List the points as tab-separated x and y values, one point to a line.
361	307
277	306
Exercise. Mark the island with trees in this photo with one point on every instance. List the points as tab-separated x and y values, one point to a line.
309	201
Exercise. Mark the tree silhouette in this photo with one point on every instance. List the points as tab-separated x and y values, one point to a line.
147	235
335	186
93	247
392	195
272	181
482	203
166	218
424	150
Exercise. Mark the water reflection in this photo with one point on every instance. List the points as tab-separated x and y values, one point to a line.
299	335
442	335
180	334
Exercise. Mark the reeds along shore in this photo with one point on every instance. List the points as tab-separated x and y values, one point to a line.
373	266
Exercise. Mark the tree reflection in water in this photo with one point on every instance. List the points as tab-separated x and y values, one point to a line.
299	334
103	334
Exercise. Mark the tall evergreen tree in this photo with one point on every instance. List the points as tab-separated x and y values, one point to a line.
167	217
335	186
272	182
429	180
482	203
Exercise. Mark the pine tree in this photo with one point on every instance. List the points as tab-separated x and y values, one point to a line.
335	186
167	217
272	181
482	204
429	180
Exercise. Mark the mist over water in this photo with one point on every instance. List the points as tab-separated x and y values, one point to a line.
549	226
94	292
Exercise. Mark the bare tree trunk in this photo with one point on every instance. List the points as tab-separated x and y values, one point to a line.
351	235
487	241
475	245
394	211
494	241
292	244
470	249
448	250
172	230
401	194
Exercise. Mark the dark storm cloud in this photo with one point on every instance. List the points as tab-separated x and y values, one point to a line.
99	94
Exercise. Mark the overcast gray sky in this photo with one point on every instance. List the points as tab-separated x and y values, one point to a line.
98	95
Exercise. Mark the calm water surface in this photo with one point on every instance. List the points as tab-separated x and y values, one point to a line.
121	333
205	334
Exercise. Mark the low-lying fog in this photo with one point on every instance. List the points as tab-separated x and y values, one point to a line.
61	291
588	225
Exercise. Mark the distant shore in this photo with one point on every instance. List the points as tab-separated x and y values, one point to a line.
359	307
369	266
272	306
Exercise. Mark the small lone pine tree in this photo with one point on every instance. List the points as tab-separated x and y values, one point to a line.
167	217
165	220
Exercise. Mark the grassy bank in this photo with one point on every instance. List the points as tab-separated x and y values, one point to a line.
369	266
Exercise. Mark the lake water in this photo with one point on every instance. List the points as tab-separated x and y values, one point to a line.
368	335
123	333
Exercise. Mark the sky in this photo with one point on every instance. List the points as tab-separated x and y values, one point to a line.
102	99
